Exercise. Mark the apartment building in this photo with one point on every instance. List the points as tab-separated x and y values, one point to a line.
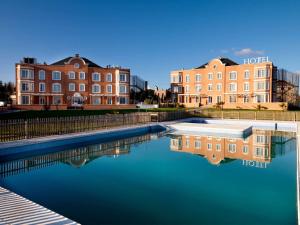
223	81
69	83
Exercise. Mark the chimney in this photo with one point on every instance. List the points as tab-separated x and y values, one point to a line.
77	55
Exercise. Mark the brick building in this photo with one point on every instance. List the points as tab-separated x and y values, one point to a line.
222	80
69	83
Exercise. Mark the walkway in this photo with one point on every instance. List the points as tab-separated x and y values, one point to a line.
15	209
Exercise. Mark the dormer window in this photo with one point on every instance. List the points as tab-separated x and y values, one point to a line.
76	65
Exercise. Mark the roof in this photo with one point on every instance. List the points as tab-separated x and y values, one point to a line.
66	60
226	61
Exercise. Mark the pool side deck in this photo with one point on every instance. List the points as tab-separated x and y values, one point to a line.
15	209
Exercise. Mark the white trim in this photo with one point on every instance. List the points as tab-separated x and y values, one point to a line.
56	71
81	84
40	86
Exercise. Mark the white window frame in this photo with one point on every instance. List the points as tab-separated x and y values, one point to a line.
125	89
54	84
125	76
73	85
247	77
94	74
76	65
248	84
109	100
81	85
233	85
198	77
54	73
42	75
198	88
187	88
80	75
28	97
109	85
187	78
210	76
219	75
96	85
107	77
230	75
232	148
69	75
210	87
219	86
42	83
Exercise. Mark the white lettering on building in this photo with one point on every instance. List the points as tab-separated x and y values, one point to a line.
256	60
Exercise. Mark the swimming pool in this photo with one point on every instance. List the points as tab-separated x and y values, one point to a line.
160	178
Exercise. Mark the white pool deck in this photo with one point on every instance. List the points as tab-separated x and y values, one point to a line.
15	209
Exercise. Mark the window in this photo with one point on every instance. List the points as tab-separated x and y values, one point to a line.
209	146
27	74
197	144
219	98
232	98
71	75
187	88
198	88
198	77
56	75
262	85
56	87
210	76
209	99
71	87
76	65
96	77
232	148
109	100
218	147
81	87
27	86
210	87
219	76
109	89
232	75
123	77
123	89
246	74
96	100
246	98
219	87
42	87
81	75
25	100
246	86
262	139
261	152
187	78
123	100
262	98
232	87
56	100
109	77
261	73
96	88
42	75
245	149
42	100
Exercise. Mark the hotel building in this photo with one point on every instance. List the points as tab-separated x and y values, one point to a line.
222	80
71	82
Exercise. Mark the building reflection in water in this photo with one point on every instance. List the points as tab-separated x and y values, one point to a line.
76	157
257	150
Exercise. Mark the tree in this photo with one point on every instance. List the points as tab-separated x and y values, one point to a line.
6	90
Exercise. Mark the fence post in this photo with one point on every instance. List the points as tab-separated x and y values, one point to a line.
26	129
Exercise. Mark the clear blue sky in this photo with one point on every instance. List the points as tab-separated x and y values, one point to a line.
152	37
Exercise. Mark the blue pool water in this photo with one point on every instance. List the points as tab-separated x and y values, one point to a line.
165	179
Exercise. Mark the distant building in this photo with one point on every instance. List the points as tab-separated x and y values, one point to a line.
71	82
223	81
137	84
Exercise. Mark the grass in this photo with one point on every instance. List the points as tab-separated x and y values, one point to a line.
69	113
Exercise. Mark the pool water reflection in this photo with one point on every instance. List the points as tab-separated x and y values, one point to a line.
153	179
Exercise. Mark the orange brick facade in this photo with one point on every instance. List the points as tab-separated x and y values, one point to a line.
71	82
222	80
256	147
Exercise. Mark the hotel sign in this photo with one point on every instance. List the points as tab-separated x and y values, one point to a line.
256	60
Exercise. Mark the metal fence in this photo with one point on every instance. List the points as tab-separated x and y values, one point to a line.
250	115
11	130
